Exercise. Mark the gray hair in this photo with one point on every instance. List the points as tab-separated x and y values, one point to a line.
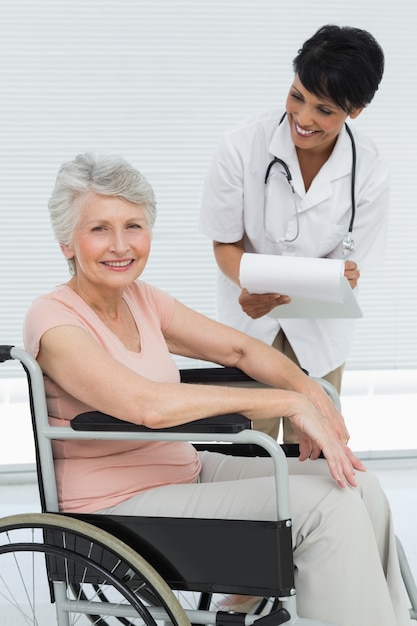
102	174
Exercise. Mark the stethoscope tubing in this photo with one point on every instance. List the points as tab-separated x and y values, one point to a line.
348	241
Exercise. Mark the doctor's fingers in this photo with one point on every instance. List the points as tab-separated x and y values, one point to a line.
352	273
258	305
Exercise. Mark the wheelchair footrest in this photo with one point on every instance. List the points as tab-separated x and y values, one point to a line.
229	618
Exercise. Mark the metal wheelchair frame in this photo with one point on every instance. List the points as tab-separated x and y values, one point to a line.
124	570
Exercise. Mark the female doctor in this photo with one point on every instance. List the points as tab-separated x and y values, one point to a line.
300	182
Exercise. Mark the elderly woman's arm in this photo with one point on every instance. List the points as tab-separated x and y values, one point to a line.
74	360
196	336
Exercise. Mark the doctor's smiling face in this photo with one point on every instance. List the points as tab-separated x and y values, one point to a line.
315	122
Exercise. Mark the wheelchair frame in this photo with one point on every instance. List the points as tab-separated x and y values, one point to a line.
153	553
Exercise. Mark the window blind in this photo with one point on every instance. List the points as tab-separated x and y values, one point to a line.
159	81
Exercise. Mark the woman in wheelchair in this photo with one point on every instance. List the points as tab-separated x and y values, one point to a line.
104	342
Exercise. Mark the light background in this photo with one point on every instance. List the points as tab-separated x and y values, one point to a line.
159	81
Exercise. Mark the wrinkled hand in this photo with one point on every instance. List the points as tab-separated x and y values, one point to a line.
352	273
322	433
321	400
257	305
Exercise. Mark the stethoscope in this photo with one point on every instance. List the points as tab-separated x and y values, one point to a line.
348	245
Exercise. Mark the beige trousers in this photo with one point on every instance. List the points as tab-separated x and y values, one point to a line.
346	563
271	426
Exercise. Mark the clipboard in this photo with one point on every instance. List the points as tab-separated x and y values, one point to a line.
317	287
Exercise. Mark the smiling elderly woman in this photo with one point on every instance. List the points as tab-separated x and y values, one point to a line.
104	342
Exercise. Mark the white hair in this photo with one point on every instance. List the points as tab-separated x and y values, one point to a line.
102	174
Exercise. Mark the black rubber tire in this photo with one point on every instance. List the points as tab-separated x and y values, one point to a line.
84	563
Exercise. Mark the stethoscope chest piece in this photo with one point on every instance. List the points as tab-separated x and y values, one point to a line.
348	245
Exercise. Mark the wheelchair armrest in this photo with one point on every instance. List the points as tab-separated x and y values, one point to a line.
95	420
232	376
228	423
214	375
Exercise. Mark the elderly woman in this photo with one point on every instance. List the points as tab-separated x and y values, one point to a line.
104	342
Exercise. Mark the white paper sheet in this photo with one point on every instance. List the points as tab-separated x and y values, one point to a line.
317	287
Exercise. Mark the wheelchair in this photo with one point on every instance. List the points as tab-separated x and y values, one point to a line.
65	569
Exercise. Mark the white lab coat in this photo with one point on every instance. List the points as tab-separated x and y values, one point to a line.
232	209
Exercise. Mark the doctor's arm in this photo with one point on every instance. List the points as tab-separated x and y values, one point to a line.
228	257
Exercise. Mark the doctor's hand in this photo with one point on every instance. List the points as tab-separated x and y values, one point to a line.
352	273
257	305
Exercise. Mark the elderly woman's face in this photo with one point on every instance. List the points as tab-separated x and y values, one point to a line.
111	241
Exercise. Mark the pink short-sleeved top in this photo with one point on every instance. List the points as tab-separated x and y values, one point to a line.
92	475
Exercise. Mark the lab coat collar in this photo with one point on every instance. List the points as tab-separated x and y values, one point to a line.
338	165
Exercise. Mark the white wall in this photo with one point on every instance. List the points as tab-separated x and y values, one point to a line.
158	81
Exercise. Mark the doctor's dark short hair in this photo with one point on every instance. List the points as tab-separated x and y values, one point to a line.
102	174
343	64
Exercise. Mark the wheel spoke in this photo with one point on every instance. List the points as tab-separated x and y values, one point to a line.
97	579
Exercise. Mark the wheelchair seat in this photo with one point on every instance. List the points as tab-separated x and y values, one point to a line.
222	565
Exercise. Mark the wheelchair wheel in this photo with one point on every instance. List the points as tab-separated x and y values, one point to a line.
61	571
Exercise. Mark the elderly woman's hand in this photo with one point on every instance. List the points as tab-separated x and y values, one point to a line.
315	392
318	433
